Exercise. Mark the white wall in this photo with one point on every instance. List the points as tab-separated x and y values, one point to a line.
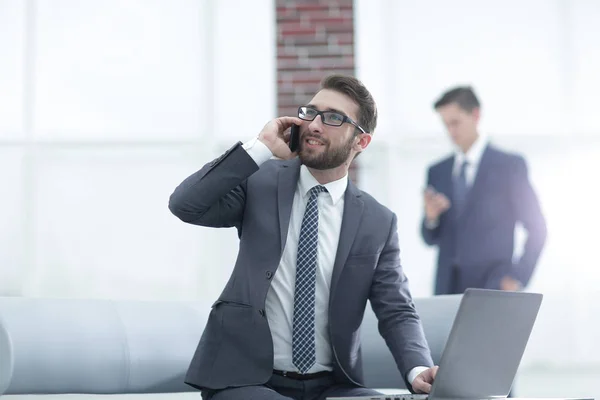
105	107
534	65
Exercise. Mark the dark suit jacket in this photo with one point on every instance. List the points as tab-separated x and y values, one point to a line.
476	247
236	348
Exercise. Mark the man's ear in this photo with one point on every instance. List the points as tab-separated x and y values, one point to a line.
476	113
363	141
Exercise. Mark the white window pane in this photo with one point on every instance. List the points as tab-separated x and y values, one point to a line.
244	51
119	69
12	271
508	50
585	15
11	67
104	228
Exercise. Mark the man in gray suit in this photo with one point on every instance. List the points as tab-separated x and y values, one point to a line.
313	249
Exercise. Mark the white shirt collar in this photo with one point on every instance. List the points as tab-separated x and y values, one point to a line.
473	155
335	189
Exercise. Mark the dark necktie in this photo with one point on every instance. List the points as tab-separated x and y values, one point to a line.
460	189
303	336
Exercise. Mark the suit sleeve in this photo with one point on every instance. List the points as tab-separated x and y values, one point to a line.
527	208
215	195
431	235
399	323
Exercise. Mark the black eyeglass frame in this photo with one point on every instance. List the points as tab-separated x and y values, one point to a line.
345	118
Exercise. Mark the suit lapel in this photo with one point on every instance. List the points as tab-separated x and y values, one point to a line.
286	187
353	209
478	185
447	179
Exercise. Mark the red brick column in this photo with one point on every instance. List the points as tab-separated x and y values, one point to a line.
315	38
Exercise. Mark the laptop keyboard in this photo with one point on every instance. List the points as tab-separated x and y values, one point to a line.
384	397
402	397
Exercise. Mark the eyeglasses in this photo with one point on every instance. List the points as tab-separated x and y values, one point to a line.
331	118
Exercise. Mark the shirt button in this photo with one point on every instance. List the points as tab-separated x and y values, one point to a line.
269	274
261	312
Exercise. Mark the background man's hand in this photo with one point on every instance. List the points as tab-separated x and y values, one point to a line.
435	204
275	135
423	381
510	284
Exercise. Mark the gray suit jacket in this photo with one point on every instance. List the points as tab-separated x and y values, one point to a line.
236	348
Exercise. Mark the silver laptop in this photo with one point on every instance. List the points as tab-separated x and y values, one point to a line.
484	348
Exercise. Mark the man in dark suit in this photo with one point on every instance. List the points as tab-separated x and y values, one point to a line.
473	200
313	249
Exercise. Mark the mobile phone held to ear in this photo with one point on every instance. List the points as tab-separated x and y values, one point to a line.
294	138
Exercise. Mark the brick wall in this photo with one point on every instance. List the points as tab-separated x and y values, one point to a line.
315	38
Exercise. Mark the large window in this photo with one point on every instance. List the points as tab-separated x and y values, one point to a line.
105	107
535	67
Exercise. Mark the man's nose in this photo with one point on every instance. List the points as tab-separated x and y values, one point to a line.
316	125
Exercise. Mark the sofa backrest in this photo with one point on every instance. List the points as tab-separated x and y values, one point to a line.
96	346
437	316
51	346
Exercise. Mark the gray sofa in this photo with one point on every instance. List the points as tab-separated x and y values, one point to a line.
96	347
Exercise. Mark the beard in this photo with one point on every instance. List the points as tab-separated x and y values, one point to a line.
329	158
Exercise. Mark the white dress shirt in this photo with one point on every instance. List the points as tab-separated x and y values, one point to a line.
473	157
280	297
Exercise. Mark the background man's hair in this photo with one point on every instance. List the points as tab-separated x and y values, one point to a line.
464	96
353	88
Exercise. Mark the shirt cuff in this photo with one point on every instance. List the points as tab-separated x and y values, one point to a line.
258	151
414	372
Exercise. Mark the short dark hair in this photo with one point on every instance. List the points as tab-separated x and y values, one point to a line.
464	96
353	88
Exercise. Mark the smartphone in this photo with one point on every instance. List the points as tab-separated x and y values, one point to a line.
294	138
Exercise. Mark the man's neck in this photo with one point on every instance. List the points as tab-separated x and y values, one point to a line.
467	146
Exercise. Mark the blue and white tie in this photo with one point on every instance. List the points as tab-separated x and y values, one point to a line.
303	336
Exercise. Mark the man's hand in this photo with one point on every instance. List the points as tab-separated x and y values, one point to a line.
423	381
435	204
510	284
275	135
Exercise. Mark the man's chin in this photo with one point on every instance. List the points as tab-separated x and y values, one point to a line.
311	162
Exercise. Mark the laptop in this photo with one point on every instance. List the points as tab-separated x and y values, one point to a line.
484	349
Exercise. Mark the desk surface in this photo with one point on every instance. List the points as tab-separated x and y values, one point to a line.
401	396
